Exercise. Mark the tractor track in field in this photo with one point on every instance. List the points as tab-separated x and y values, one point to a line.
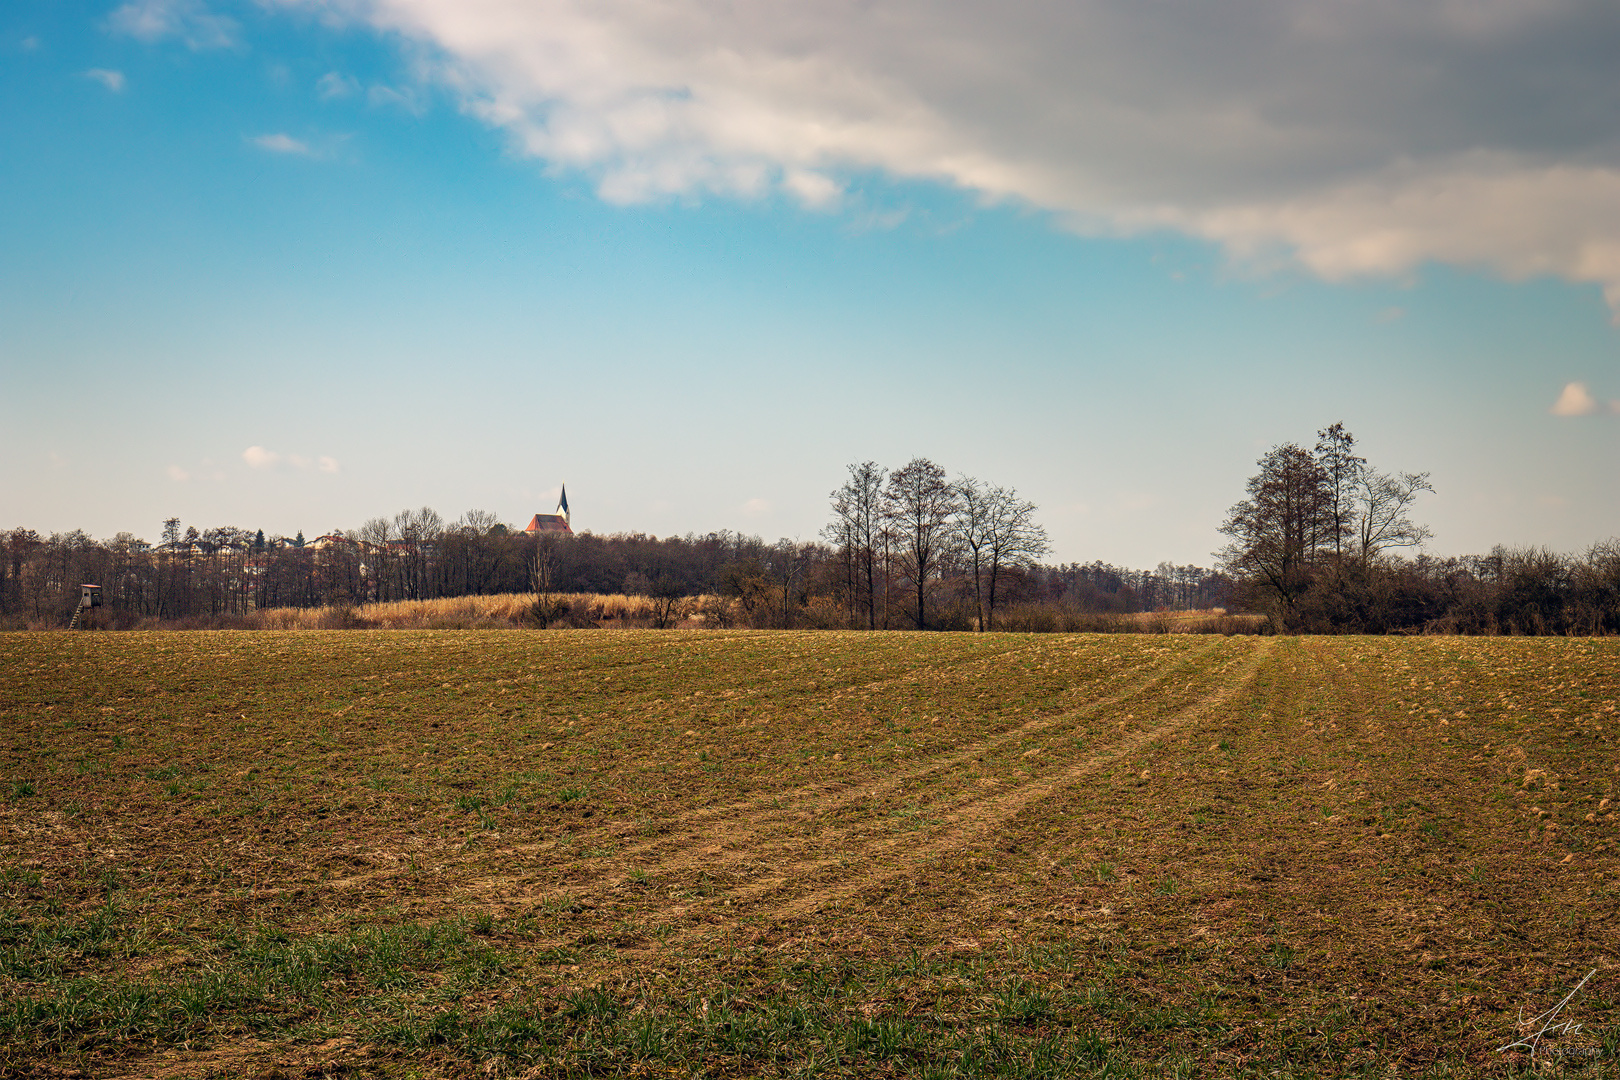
794	807
761	847
699	837
739	834
970	821
758	687
699	814
833	795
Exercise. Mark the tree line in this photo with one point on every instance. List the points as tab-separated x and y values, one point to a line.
907	549
1324	542
1321	542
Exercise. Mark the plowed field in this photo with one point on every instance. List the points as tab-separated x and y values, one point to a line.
717	853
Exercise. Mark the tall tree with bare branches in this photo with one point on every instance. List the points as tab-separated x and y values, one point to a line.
1277	531
856	529
1342	472
1385	519
1014	539
918	505
973	527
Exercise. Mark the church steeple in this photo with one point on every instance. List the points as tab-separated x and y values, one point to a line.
562	504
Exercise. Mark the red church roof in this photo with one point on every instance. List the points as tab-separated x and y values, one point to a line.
548	523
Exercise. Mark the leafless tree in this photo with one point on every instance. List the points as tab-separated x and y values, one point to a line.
856	530
974	525
1342	474
1014	539
548	606
918	506
1276	532
418	533
786	562
1385	505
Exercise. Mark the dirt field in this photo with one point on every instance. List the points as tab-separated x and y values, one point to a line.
710	853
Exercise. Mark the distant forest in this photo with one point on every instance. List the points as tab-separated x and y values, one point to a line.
780	584
1322	543
203	576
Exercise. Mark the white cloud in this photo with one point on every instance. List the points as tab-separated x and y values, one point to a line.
1349	136
188	20
30	43
281	143
813	189
326	464
258	457
177	474
112	80
334	85
1576	400
755	508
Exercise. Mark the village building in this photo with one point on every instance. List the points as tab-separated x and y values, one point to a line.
557	522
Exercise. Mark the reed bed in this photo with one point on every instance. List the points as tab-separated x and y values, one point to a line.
502	611
514	611
1055	619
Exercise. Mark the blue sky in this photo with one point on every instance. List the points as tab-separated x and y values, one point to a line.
294	264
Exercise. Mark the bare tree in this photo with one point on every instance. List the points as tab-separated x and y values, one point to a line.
974	526
1276	531
548	606
785	563
1342	473
377	560
1014	539
481	522
668	601
856	529
918	506
418	533
1385	512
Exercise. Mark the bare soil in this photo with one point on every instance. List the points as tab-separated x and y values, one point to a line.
559	853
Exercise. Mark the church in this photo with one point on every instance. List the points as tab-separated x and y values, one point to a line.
557	522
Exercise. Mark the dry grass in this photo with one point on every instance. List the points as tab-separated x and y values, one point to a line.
504	611
514	610
431	853
1054	619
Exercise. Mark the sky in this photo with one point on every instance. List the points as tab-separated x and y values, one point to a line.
294	264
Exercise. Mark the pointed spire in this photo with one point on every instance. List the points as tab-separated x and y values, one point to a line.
562	503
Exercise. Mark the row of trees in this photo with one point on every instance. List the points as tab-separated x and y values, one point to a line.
415	555
1321	544
906	549
914	532
1098	588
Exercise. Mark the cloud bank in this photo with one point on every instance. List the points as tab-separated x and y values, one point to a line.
1352	136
